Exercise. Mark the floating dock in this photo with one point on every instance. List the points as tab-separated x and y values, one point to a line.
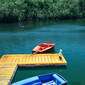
9	64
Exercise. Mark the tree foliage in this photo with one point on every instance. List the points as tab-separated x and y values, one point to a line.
20	10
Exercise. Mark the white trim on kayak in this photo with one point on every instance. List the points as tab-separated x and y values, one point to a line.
26	80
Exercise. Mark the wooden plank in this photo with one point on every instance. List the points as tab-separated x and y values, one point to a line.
4	82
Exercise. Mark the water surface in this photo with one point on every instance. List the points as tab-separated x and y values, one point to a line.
67	35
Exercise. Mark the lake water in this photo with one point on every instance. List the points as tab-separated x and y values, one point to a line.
67	35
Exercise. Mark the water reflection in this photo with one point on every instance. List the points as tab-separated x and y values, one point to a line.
20	27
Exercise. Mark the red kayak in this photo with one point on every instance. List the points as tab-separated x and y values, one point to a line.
43	48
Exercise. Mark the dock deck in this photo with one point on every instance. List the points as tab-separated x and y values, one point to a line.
9	63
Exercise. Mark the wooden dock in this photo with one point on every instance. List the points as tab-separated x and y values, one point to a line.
9	64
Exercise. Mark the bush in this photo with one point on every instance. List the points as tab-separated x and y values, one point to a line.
20	10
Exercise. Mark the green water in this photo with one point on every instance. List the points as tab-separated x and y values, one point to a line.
68	35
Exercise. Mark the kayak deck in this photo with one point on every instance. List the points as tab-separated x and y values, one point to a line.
47	79
9	63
